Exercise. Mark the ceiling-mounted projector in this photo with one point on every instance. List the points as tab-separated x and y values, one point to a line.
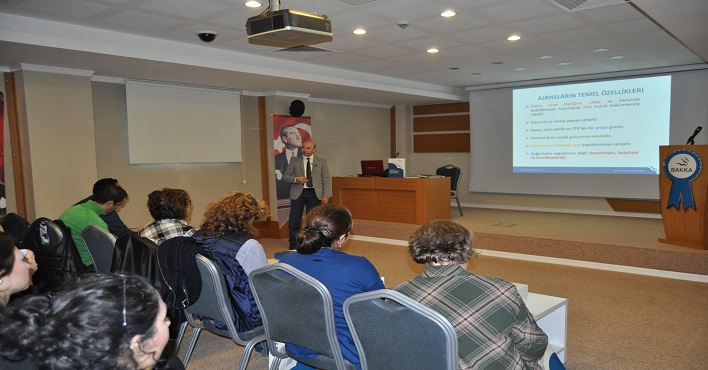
288	28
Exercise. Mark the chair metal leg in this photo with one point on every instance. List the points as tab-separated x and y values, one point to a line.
459	208
248	349
180	335
190	347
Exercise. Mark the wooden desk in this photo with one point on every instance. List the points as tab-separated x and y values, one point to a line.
405	200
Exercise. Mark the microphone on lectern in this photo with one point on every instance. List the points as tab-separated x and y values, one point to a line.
690	139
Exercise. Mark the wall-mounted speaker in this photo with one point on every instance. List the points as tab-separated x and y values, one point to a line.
297	108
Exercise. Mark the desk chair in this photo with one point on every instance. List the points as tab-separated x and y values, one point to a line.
453	172
100	244
297	309
212	305
399	333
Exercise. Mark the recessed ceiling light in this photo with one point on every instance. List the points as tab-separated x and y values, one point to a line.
359	31
545	57
497	62
600	50
617	57
519	69
252	4
514	38
564	63
433	50
448	14
453	68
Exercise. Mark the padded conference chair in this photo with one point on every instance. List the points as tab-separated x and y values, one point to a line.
399	333
297	309
212	305
100	244
453	172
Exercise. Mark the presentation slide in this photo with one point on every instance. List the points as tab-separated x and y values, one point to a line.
610	127
605	146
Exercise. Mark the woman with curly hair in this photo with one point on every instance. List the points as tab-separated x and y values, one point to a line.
170	208
494	328
227	237
100	322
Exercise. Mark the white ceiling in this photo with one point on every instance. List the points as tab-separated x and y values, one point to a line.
155	40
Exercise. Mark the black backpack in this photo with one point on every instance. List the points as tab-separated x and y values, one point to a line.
58	260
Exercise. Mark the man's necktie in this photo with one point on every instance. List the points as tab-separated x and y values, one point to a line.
308	174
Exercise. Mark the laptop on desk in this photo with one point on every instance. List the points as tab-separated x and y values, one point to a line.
372	167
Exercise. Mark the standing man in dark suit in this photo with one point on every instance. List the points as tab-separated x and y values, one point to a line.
311	186
290	136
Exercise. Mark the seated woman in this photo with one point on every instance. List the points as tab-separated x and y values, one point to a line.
15	268
227	238
101	322
170	208
326	230
494	328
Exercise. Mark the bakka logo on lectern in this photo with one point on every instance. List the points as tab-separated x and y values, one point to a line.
682	167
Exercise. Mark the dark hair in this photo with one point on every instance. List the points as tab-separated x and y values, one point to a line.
84	327
7	254
323	226
440	241
168	204
235	211
102	183
108	193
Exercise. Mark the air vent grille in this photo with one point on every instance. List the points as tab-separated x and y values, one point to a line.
304	51
264	25
580	5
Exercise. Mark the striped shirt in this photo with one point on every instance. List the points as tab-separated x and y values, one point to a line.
494	328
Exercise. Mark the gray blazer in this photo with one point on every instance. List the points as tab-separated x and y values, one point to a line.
320	177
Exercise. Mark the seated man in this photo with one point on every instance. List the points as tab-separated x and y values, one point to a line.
80	216
494	328
170	208
112	219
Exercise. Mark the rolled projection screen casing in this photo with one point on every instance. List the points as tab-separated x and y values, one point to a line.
181	124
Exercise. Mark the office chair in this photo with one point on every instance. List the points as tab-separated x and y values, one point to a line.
100	244
393	331
297	309
453	172
213	305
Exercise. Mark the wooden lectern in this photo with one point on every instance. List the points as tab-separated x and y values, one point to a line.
683	188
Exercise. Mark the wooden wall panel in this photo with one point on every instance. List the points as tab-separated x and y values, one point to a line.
442	123
442	143
462	107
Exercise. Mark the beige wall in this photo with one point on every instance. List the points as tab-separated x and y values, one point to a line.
68	118
61	149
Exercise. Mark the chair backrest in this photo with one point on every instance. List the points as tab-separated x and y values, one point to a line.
214	304
100	244
136	255
393	331
296	308
451	171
